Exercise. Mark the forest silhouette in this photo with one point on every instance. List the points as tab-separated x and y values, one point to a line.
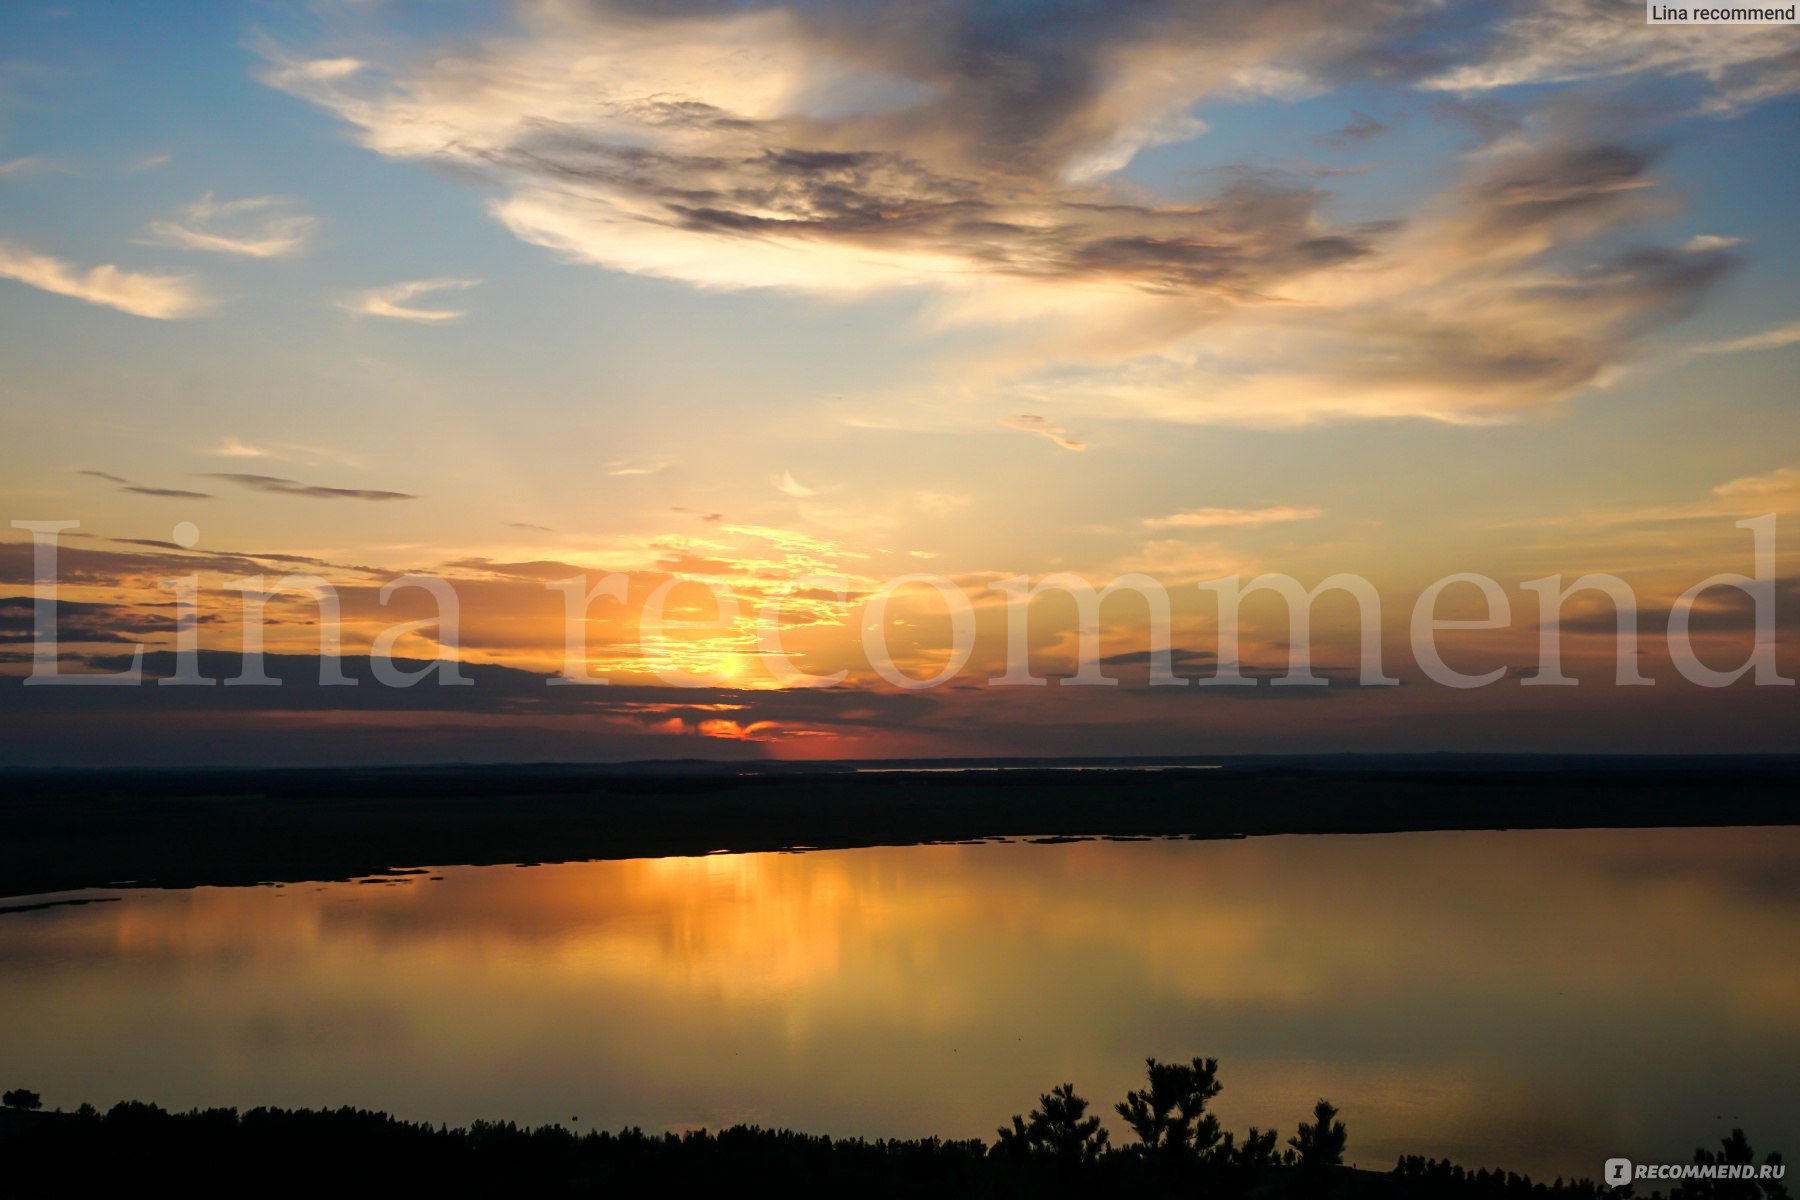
1175	1147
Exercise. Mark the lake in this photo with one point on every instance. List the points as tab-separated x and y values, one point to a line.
1538	1001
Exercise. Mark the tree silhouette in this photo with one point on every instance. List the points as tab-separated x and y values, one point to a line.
22	1099
1734	1151
1321	1144
1058	1129
1255	1154
1169	1116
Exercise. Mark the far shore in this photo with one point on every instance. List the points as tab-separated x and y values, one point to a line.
70	830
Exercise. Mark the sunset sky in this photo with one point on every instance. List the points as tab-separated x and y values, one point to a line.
750	292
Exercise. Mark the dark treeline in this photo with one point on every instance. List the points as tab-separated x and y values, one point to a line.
67	830
1175	1148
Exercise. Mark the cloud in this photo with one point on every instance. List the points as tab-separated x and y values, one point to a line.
1215	518
1777	491
30	164
231	447
254	227
623	467
1768	339
1177	657
148	162
866	149
391	301
160	297
126	485
1510	291
787	485
497	690
81	622
288	487
1032	423
138	569
972	158
527	525
168	493
1715	611
1362	128
1569	41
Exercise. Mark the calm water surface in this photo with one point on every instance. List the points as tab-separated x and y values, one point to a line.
1534	1000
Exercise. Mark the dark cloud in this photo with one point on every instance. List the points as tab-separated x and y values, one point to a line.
76	564
1241	243
1336	680
1487	117
1529	306
1362	128
1588	182
84	623
496	690
79	564
1719	610
168	493
1177	656
289	487
307	560
125	485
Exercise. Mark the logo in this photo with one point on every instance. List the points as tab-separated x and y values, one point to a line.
1618	1172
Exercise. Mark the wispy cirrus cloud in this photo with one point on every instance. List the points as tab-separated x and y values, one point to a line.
1567	41
392	300
787	485
30	164
288	487
231	447
253	227
126	485
1219	518
1776	491
626	467
1767	339
1033	423
158	296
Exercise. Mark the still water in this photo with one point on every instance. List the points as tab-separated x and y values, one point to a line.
1539	1001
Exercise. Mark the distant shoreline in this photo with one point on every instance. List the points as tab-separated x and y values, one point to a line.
68	830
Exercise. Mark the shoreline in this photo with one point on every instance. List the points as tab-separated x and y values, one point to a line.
73	831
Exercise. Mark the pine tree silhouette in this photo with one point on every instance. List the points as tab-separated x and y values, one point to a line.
1734	1151
1321	1144
1059	1129
1169	1116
